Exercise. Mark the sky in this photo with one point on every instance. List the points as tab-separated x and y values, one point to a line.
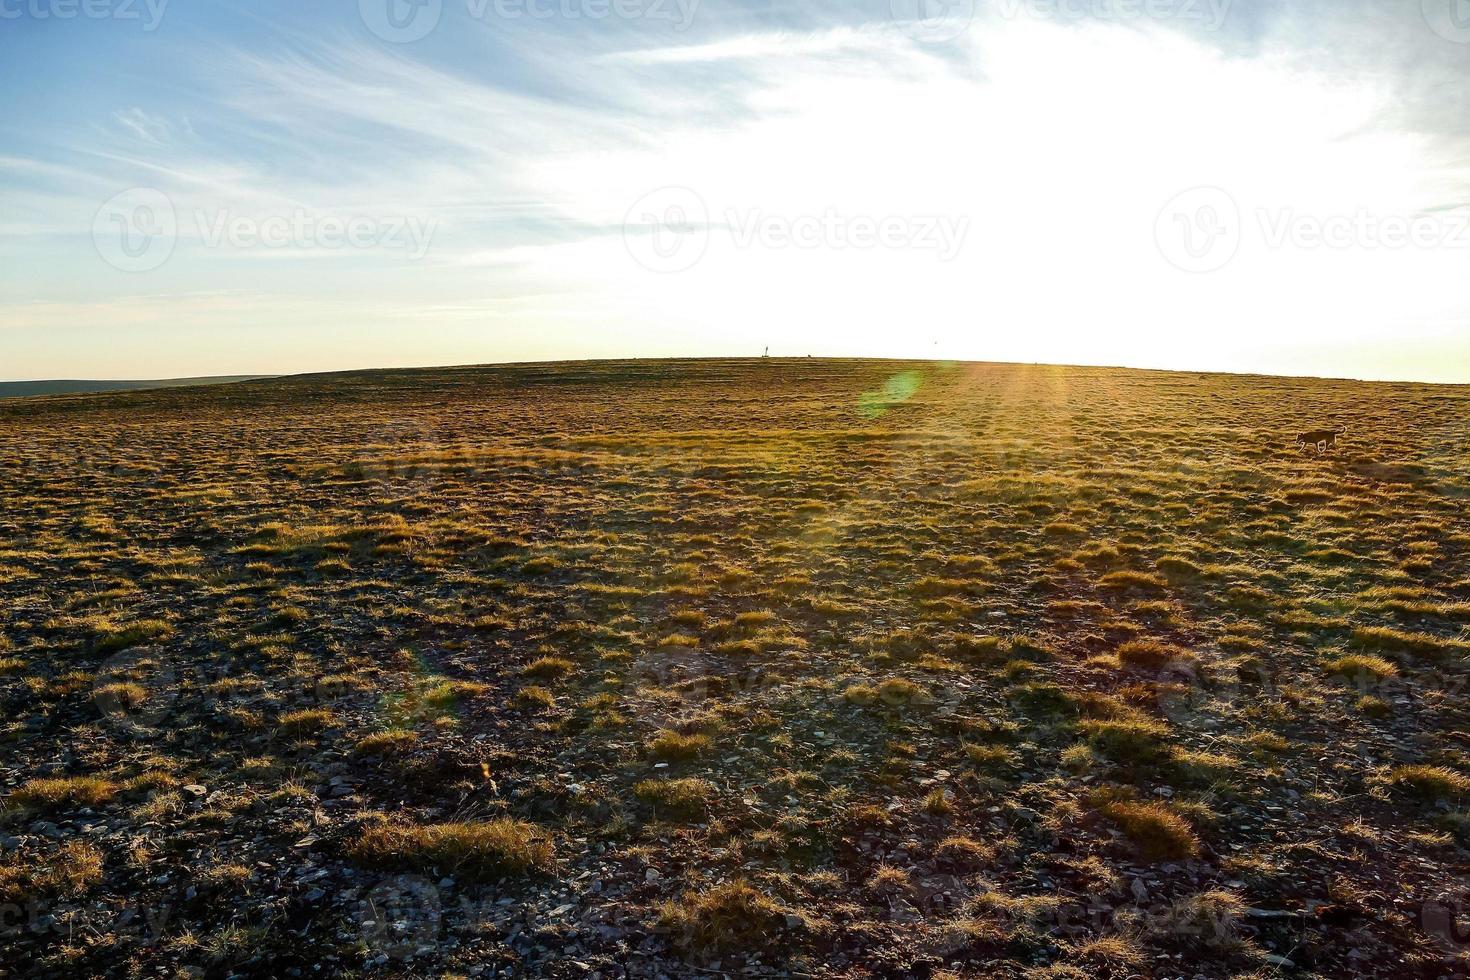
209	187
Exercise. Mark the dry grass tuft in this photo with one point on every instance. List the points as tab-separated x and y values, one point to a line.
59	792
1359	665
1150	654
478	851
675	746
69	872
1156	829
686	798
1429	782
730	916
549	668
394	741
307	721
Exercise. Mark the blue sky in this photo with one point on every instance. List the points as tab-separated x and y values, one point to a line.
218	188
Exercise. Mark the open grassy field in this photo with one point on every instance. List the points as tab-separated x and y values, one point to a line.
754	668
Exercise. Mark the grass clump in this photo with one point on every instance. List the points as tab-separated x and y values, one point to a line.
1128	741
1150	654
1132	582
896	692
55	793
992	758
68	873
549	668
394	741
477	850
1388	639
1176	567
686	798
1360	665
1429	782
307	721
963	853
447	694
675	746
536	697
730	916
121	695
1157	829
110	638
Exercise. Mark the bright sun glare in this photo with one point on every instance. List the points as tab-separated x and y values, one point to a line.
1078	191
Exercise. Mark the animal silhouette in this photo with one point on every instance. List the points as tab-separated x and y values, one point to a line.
1320	439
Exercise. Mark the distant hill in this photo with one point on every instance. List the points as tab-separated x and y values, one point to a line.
25	389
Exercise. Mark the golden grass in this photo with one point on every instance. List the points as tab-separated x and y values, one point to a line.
1150	654
1158	830
307	721
733	915
676	797
394	741
796	649
1430	782
68	872
678	747
549	668
63	791
1358	665
109	637
477	850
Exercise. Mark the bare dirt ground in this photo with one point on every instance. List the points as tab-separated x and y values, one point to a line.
742	668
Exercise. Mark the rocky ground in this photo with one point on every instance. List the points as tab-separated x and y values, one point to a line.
736	668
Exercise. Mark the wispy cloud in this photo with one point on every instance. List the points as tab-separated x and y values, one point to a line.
527	150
